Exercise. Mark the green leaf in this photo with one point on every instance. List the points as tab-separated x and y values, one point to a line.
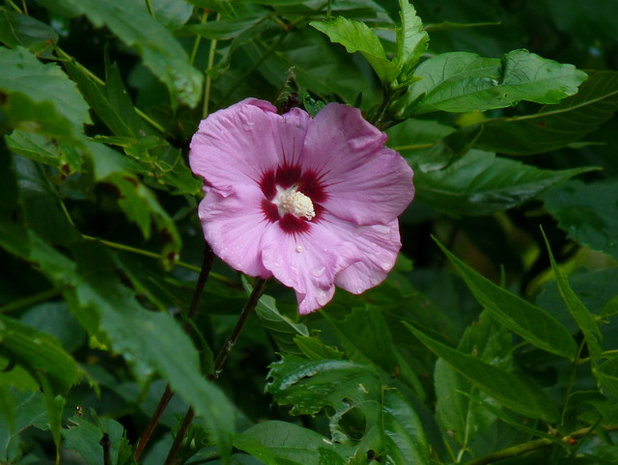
61	155
38	352
456	411
531	322
479	183
17	29
358	37
512	391
111	312
223	29
555	126
446	150
404	435
277	442
318	66
587	212
391	428
607	374
412	40
40	98
281	328
366	338
171	13
463	82
161	52
582	316
29	410
84	436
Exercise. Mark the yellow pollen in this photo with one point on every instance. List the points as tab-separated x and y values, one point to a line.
294	202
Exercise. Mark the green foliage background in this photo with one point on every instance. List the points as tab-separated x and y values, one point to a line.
493	341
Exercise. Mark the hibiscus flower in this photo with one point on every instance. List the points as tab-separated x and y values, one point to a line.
311	201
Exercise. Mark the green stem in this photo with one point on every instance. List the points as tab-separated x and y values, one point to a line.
513	451
228	345
150	8
412	147
147	253
536	444
198	39
207	84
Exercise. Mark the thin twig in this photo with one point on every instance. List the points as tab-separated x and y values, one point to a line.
258	289
168	394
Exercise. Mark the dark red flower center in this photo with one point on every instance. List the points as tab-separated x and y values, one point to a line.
289	185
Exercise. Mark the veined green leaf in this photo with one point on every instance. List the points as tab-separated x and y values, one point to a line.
108	309
457	412
531	322
358	37
161	52
412	39
40	98
587	212
511	390
480	183
391	429
555	126
582	316
366	338
282	329
462	81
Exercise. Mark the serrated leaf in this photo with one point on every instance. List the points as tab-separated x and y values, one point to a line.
582	316
463	82
479	183
391	427
412	40
587	212
358	37
531	322
38	352
511	390
555	126
161	52
39	97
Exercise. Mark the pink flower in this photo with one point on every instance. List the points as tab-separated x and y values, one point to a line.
312	202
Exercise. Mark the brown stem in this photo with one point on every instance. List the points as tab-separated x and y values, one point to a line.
258	288
168	394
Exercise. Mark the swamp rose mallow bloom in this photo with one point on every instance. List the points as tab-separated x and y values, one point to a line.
311	201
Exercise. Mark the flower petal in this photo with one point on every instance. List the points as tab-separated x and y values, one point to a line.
307	262
378	247
238	144
365	182
233	224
